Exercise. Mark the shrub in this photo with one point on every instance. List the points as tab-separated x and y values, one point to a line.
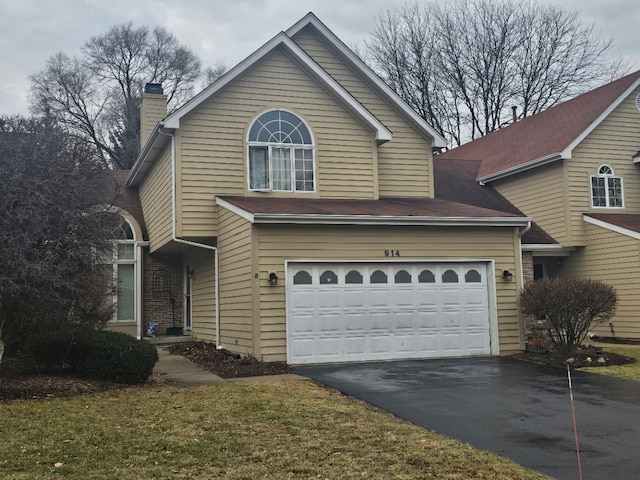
114	356
569	308
53	349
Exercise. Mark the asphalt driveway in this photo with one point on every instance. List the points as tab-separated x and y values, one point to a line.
512	408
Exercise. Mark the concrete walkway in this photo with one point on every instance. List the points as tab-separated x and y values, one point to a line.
177	370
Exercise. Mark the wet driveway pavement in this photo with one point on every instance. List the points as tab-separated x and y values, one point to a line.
515	409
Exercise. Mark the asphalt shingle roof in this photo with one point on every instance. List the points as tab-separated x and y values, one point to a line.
542	135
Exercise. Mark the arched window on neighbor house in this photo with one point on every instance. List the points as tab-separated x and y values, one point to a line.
606	189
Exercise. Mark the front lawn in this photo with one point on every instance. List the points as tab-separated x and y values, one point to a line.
630	371
280	430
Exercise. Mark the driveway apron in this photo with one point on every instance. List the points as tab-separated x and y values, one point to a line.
512	408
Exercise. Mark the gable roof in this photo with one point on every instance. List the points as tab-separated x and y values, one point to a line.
284	40
387	211
454	180
546	137
310	20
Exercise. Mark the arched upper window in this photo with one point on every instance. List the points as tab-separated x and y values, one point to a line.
606	188
280	153
121	263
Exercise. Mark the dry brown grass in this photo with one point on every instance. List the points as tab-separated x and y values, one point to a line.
282	430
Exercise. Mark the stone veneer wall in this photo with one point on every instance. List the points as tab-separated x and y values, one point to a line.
163	281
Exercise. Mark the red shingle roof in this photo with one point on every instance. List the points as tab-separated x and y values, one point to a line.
542	135
455	181
630	221
383	208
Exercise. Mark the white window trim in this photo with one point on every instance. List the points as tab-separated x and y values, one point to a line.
606	177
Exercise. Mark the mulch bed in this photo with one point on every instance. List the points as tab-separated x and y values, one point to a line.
207	356
586	356
20	381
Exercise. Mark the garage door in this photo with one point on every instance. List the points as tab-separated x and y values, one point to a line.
341	312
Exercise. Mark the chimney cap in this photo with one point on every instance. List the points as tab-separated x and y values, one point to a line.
154	88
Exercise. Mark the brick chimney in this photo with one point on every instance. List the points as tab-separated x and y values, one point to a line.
152	110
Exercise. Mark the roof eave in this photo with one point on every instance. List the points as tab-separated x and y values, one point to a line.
323	219
554	157
140	166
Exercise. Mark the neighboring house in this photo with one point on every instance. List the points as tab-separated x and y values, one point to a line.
574	170
291	208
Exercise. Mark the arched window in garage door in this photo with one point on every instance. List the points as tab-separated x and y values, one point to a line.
449	277
328	278
426	276
352	277
402	276
473	276
302	278
378	277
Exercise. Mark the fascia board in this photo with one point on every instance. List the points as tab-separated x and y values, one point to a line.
234	209
540	247
611	227
310	19
522	167
383	134
144	156
311	219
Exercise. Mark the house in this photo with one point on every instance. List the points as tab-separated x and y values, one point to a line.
573	169
290	214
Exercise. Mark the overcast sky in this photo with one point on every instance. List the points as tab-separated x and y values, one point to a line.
226	31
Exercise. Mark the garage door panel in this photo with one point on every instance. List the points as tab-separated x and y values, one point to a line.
403	297
379	320
477	318
474	296
331	322
381	345
355	298
355	322
303	299
329	298
426	297
405	320
427	319
303	325
450	296
423	310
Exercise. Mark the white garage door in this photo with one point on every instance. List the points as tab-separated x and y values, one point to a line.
341	312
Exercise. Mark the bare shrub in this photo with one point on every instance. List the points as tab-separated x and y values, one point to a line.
568	308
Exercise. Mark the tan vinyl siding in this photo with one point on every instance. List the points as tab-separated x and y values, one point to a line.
540	194
405	163
614	259
203	294
155	196
614	142
277	244
212	149
236	273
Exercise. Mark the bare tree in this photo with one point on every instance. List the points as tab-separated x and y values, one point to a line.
97	96
463	65
54	198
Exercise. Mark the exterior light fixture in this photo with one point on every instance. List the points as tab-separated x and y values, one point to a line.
273	278
507	275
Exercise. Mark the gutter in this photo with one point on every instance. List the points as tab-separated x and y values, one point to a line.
190	243
390	220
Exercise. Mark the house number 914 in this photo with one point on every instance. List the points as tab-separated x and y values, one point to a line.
392	253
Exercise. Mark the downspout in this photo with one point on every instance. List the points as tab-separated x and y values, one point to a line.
175	238
522	233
